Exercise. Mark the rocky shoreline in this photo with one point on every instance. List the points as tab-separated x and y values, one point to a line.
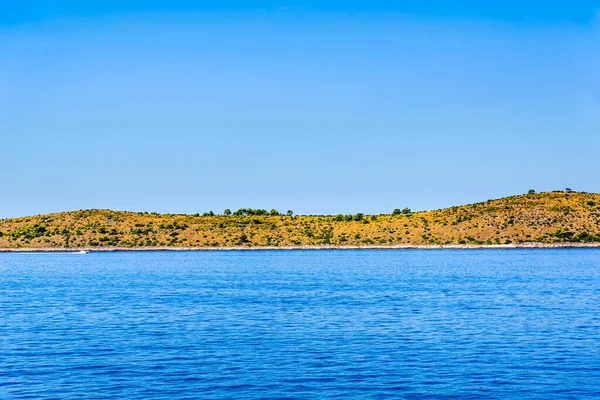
324	247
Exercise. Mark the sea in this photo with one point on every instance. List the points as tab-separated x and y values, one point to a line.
315	324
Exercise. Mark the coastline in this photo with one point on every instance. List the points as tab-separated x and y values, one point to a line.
259	248
544	220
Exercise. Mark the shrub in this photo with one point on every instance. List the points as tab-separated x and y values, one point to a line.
30	232
563	234
244	239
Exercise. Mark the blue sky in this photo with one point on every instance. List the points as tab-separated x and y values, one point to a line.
319	107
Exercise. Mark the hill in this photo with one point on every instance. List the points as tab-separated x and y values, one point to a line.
549	218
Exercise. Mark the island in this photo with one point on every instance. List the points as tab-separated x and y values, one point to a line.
548	219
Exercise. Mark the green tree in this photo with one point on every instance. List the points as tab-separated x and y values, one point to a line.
406	211
531	191
227	212
274	212
290	213
396	211
250	211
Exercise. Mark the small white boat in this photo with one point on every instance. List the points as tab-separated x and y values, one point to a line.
82	252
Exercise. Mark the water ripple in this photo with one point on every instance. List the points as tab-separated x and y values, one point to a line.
485	324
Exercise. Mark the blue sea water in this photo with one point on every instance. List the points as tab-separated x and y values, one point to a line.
376	324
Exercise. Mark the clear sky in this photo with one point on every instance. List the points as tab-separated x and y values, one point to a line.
320	107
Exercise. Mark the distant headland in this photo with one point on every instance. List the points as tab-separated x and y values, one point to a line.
549	219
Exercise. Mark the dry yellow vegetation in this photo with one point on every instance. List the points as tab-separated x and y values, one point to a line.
551	217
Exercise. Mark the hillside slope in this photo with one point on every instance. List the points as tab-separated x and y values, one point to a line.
552	217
